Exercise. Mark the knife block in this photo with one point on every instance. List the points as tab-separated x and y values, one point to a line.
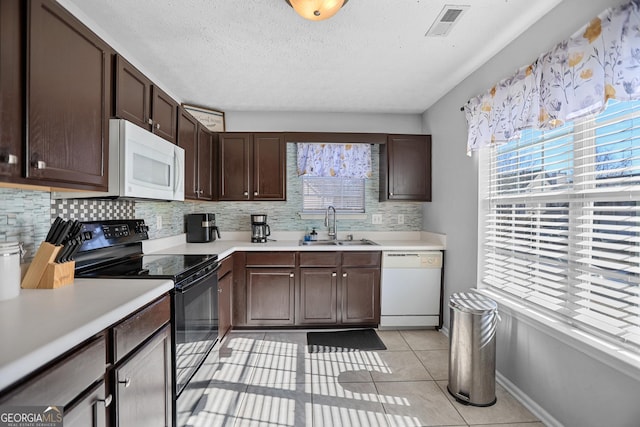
43	273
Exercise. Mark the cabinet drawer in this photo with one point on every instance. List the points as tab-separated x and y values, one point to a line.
361	259
319	259
64	380
271	259
141	325
226	266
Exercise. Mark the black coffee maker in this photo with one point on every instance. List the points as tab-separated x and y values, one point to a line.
201	228
259	228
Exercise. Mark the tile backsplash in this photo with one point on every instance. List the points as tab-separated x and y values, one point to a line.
92	210
25	215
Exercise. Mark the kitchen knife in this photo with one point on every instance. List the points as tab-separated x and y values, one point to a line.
53	229
62	254
74	249
58	232
63	233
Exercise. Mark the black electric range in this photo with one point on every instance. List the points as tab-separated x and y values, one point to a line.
113	249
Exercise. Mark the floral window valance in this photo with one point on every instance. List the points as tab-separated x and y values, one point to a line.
575	79
337	160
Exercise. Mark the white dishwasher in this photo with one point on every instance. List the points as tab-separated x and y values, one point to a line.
410	289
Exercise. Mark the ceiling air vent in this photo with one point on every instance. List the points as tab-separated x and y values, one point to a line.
446	19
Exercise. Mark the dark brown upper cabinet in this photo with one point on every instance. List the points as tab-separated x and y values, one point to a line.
141	102
11	88
198	144
405	168
252	166
68	87
188	140
206	164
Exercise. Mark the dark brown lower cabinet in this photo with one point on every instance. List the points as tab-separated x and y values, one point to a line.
270	296
120	377
360	295
318	293
143	384
65	381
321	288
90	411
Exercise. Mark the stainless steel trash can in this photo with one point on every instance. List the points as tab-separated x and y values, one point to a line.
472	349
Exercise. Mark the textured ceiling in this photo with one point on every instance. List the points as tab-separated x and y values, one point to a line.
259	55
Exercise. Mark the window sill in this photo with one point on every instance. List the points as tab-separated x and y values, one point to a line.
623	360
340	216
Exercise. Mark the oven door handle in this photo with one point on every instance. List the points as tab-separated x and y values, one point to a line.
184	289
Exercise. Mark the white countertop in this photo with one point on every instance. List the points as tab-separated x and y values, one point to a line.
290	241
42	324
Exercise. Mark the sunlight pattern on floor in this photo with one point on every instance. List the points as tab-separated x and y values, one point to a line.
269	379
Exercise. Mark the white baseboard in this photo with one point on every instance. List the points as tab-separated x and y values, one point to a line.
527	402
522	397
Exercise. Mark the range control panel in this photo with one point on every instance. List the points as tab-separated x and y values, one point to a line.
102	234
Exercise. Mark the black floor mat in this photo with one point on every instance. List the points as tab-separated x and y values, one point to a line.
352	340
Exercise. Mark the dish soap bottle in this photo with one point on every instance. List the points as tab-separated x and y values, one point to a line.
313	235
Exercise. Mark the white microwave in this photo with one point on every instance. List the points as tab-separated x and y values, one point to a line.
141	166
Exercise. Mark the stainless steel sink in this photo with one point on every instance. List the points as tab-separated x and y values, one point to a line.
362	242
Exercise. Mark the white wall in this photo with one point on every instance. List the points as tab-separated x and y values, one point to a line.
322	122
573	388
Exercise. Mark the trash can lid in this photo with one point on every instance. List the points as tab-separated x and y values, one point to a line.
472	302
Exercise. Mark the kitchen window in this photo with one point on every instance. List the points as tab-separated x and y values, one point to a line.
561	218
345	194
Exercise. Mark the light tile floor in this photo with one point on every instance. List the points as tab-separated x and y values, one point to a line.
268	379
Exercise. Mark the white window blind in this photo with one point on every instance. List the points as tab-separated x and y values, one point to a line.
345	194
562	222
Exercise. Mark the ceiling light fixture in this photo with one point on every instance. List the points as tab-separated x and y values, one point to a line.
316	10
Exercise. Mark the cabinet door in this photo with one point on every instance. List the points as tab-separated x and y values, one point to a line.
164	111
68	99
11	84
205	164
90	411
225	284
360	295
317	296
269	167
133	94
270	296
188	140
407	175
234	151
143	385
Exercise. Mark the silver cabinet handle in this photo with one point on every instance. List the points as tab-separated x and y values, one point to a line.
219	290
9	159
255	193
107	401
158	126
344	274
39	164
126	382
291	274
334	274
150	121
390	194
246	193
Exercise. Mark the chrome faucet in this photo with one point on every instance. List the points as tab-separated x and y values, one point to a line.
333	232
